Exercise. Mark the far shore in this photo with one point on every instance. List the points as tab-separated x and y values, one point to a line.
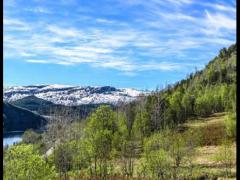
20	132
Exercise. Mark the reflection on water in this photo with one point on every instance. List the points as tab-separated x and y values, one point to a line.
12	138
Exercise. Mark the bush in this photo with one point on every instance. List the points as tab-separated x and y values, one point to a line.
156	163
225	156
63	158
211	135
30	137
230	125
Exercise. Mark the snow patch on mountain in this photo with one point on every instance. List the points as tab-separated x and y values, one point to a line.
72	95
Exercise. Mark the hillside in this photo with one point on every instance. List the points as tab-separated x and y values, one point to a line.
201	94
212	134
33	103
19	119
47	108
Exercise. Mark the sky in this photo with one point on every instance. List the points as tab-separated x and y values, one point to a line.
123	43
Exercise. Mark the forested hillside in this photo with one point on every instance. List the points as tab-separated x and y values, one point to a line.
186	131
20	119
47	108
204	92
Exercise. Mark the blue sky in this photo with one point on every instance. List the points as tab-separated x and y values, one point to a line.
123	43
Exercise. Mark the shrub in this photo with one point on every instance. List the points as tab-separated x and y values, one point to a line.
157	163
230	125
30	137
211	135
225	156
63	158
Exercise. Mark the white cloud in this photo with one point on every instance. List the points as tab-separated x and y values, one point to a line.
225	8
65	63
180	2
24	54
105	21
220	7
218	21
38	10
63	32
92	49
128	47
37	61
15	24
12	22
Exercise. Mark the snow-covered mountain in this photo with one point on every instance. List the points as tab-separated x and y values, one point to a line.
72	95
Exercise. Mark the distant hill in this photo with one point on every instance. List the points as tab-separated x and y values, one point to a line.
33	103
19	119
71	95
47	108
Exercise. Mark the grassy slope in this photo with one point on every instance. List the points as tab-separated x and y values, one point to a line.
212	128
204	158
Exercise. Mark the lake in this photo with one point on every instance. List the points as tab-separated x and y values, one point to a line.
11	138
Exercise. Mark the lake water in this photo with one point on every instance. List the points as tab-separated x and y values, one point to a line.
11	138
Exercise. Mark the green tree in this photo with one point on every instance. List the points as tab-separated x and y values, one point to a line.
63	159
142	124
177	110
23	162
100	130
80	153
156	161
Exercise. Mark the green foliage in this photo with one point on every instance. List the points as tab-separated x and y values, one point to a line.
63	158
36	139
100	131
226	157
80	153
188	102
231	98
72	156
142	124
23	162
164	153
30	137
155	160
204	103
102	119
230	125
157	163
129	111
176	106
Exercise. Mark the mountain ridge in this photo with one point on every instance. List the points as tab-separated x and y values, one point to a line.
72	95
